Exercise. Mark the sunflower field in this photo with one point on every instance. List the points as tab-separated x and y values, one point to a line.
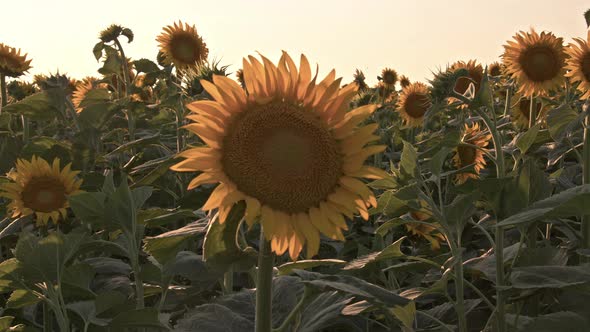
175	195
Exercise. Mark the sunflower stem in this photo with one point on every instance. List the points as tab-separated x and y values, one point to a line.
228	281
179	124
3	90
508	100
263	320
26	129
125	67
532	231
459	284
586	171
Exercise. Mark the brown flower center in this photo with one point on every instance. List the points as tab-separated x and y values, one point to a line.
44	194
585	66
467	155
416	105
282	155
185	48
389	78
539	63
495	70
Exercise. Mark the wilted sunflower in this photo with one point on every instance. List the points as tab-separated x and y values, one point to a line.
182	46
413	103
495	69
521	110
82	89
289	149
467	155
41	189
404	81
428	232
536	62
578	65
359	80
389	78
12	63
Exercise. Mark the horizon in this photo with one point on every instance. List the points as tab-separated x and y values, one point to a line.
346	39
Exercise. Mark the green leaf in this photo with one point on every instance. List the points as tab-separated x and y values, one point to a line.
572	202
44	105
530	277
533	183
89	207
97	50
137	318
460	210
392	251
138	143
155	217
165	246
587	17
213	318
160	170
562	120
525	141
324	312
288	268
483	96
221	250
437	161
563	321
21	298
405	314
409	162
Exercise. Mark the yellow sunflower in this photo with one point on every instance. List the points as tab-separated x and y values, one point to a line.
41	189
82	89
182	46
289	149
468	155
428	232
578	65
535	61
389	78
12	63
495	69
413	103
521	110
475	75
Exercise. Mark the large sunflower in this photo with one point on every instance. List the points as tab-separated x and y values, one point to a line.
578	65
521	110
12	63
41	189
535	61
466	155
289	149
413	103
181	46
475	75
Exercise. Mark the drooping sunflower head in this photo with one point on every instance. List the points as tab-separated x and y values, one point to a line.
495	69
41	189
470	153
521	110
181	46
475	75
82	89
578	65
413	103
536	61
359	80
428	232
12	63
388	77
404	81
288	148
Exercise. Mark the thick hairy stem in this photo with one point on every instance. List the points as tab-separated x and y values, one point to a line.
264	286
586	172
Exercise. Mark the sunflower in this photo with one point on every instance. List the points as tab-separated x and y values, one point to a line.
289	149
413	103
82	89
475	75
521	110
578	65
495	69
428	232
359	80
12	63
389	78
468	155
41	189
182	46
404	81
535	61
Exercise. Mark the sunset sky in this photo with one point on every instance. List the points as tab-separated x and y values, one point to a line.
413	37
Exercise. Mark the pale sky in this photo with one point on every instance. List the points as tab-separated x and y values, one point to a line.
414	37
